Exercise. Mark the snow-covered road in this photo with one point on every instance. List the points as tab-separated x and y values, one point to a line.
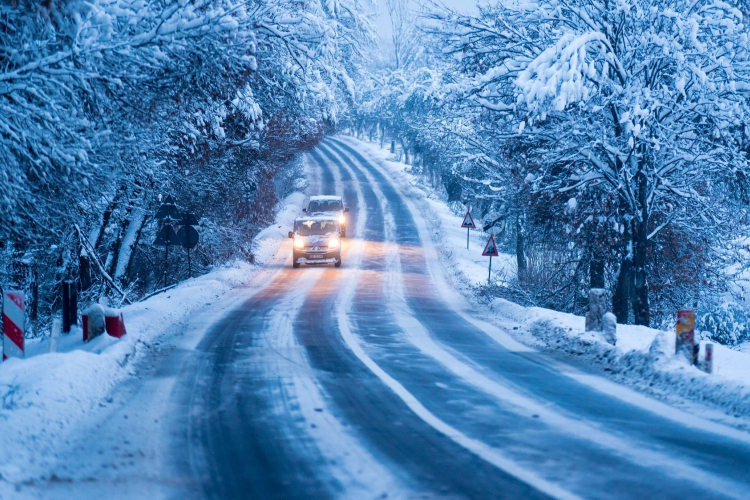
377	380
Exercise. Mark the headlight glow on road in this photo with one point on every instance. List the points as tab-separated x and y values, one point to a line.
333	243
342	219
299	243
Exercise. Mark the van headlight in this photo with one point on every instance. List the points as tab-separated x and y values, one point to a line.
342	219
299	243
333	243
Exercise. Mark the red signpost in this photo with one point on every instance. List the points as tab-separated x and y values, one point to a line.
468	223
490	250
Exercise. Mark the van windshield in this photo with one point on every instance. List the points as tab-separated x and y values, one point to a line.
315	227
324	206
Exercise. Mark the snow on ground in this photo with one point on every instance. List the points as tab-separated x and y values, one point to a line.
43	396
639	358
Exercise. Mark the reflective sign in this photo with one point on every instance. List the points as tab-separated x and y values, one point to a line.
188	219
188	236
490	249
167	236
468	222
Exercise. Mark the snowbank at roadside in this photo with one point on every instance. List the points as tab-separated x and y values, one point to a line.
632	361
42	396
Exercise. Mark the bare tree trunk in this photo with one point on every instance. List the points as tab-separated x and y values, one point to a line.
596	270
33	295
641	309
520	254
623	288
114	252
406	151
106	216
84	268
621	298
136	240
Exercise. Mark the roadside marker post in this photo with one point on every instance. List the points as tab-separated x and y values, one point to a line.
685	339
56	327
490	250
69	305
708	363
13	325
468	223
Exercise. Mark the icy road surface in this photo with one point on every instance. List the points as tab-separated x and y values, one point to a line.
377	381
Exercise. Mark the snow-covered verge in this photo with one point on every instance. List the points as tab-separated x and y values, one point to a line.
44	396
639	358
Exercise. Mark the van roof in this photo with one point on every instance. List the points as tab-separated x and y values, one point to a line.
317	218
325	198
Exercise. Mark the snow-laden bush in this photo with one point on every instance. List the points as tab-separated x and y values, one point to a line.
725	323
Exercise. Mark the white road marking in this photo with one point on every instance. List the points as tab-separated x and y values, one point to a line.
459	305
421	338
482	450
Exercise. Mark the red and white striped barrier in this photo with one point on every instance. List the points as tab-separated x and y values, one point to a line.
13	324
115	323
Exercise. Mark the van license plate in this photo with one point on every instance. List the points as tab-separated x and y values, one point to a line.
316	256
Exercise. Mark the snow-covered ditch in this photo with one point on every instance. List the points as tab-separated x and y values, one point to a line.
44	395
641	358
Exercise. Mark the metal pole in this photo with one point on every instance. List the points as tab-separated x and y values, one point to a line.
489	277
66	306
190	269
166	256
467	238
73	311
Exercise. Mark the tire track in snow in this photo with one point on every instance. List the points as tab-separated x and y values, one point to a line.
638	454
482	450
428	457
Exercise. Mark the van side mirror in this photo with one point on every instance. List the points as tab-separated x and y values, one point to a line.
291	234
346	209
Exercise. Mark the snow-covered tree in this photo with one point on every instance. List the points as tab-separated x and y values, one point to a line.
635	112
109	104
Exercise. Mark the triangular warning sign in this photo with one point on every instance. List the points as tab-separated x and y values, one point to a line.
490	249
167	237
468	222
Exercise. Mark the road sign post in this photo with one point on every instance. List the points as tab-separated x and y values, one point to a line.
69	305
188	236
490	250
165	238
685	340
468	223
167	215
